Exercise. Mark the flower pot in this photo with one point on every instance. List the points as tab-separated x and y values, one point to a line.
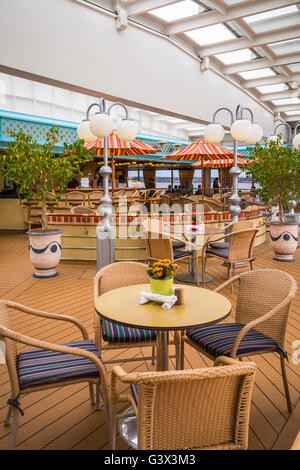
45	251
284	240
161	286
275	214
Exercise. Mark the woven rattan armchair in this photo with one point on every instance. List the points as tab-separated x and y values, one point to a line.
239	251
263	302
49	366
74	198
81	210
191	409
108	335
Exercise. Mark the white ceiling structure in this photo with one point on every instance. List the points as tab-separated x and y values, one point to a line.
254	42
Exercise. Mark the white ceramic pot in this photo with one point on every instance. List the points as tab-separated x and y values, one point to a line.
284	240
45	251
275	214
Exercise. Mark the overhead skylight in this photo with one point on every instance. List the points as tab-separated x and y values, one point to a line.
293	113
285	47
274	19
177	11
237	56
211	34
272	88
286	101
233	2
294	67
260	73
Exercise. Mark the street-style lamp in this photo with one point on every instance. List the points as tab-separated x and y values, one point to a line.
242	130
293	139
101	126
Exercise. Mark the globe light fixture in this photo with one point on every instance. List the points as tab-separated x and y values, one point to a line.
256	134
101	124
241	130
296	141
214	133
127	130
84	132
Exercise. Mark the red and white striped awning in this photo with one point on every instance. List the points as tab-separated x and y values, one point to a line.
201	150
116	146
221	163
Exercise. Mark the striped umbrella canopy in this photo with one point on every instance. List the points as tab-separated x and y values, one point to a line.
116	146
221	163
201	150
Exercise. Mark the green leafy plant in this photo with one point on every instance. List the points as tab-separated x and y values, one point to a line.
37	169
276	170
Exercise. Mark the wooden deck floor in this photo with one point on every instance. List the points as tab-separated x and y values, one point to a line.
63	418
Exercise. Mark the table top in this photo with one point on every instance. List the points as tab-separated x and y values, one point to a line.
203	307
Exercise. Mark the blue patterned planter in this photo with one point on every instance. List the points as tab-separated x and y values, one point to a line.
45	252
284	240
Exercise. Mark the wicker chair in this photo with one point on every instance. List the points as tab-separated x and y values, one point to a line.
192	409
50	366
81	210
111	277
75	198
262	308
239	251
94	198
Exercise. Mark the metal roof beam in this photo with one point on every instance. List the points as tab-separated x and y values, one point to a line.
223	14
287	107
261	63
280	94
295	117
243	43
272	80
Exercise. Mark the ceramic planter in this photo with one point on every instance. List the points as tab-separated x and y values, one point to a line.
45	251
275	214
284	240
161	286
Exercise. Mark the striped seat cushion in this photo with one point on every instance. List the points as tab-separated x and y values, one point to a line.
219	245
114	333
223	252
218	340
177	245
180	254
135	393
41	367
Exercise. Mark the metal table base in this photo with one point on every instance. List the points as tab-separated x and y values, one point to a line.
191	277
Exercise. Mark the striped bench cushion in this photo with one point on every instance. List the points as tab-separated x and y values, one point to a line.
114	333
218	340
40	367
135	393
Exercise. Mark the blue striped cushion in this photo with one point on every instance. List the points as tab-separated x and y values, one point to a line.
219	245
177	245
114	333
135	393
180	254
218	340
40	367
223	252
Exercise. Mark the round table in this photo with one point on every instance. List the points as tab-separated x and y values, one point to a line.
193	232
203	307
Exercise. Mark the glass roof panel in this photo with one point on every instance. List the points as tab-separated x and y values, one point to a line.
286	101
211	34
294	67
292	113
260	73
285	47
233	2
274	19
272	88
177	11
236	56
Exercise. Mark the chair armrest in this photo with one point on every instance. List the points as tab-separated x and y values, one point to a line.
256	322
19	338
53	316
227	283
225	361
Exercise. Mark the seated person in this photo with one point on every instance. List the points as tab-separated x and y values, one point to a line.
75	183
122	183
96	180
216	186
199	190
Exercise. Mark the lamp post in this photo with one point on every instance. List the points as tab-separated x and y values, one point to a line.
242	130
293	139
100	126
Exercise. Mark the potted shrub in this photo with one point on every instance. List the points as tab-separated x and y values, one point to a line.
161	277
36	170
276	170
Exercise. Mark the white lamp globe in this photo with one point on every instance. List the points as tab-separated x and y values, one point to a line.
84	132
256	134
101	124
296	141
214	133
127	130
241	130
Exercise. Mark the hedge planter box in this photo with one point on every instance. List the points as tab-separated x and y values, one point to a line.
284	240
161	286
45	251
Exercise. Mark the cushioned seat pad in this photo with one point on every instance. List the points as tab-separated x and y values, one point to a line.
219	245
177	245
223	252
218	340
40	367
180	254
114	333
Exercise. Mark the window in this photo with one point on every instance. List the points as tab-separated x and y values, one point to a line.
260	73
274	19
211	34
285	47
286	101
237	56
272	88
177	11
